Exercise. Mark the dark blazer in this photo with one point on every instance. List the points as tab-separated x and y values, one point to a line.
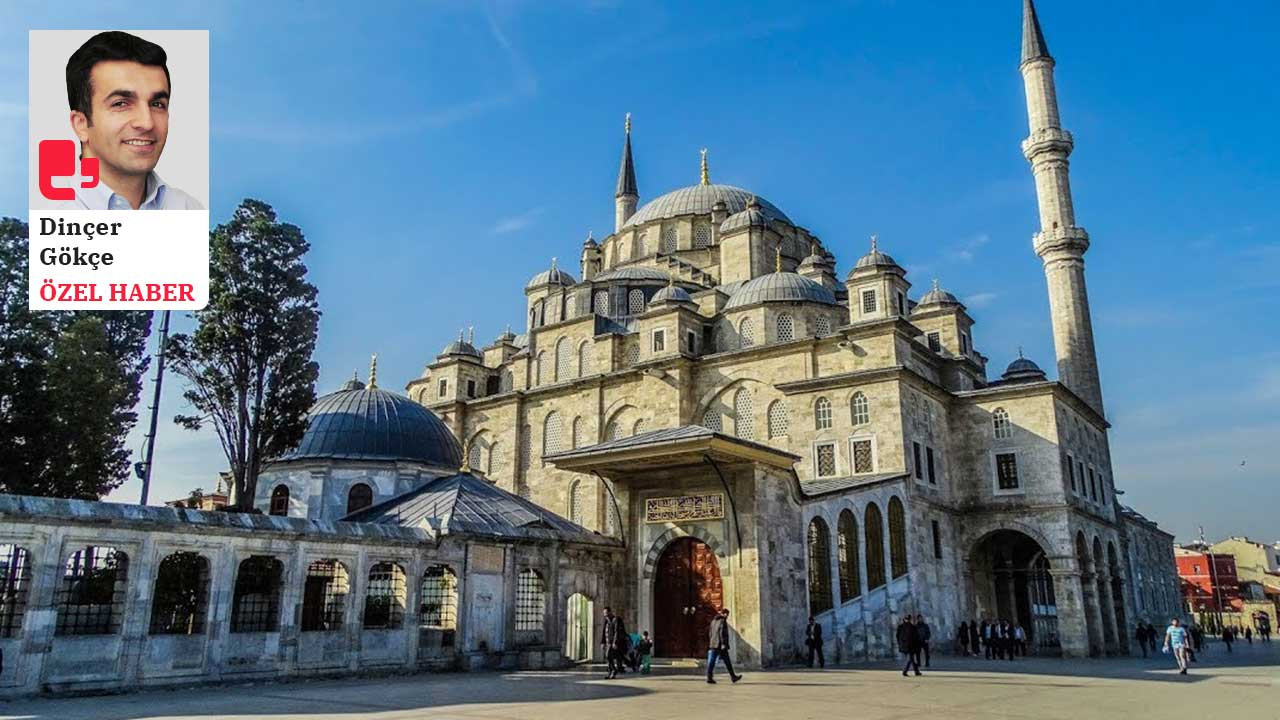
615	634
813	634
907	641
719	635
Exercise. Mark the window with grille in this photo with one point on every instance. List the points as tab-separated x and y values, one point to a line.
531	601
385	596
711	421
935	341
1000	423
937	539
1093	489
747	332
822	326
601	305
819	567
638	249
874	528
633	354
702	237
613	431
542	369
442	387
279	500
860	409
928	456
577	499
659	341
824	459
744	414
526	447
1071	473
777	419
181	595
575	433
610	515
847	556
474	455
868	302
638	427
438	603
917	465
964	343
635	302
255	601
897	538
17	580
584	359
359	497
822	414
786	328
668	242
1007	471
863	456
564	360
91	598
552	434
902	304
324	596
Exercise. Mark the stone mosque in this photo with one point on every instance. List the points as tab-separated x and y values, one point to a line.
709	416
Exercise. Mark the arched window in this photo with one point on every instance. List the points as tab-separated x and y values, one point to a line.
385	597
438	603
711	420
744	417
552	433
577	502
540	368
821	326
564	360
786	328
610	515
181	595
531	601
639	427
1000	422
897	538
874	528
279	501
822	414
324	596
847	556
575	433
635	302
91	598
637	246
255	601
17	579
819	567
584	358
668	241
747	332
359	497
859	409
475	456
777	419
613	431
701	237
601	305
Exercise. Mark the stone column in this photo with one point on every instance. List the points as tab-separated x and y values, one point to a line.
1073	623
1106	609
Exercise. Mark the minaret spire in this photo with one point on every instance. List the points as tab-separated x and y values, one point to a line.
627	195
706	174
1061	244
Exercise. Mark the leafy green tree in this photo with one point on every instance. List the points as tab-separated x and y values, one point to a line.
248	367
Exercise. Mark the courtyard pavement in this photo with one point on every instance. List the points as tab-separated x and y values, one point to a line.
1243	684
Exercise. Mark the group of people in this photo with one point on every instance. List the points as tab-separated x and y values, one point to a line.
913	637
999	639
622	650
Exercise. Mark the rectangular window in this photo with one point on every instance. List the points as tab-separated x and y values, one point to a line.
1007	471
692	339
964	343
1071	473
902	304
915	452
937	540
862	459
935	341
928	453
1093	487
444	386
824	460
659	341
1084	491
471	388
868	301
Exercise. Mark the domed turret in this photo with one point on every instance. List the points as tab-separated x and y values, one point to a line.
460	347
1023	370
671	294
753	216
551	276
938	296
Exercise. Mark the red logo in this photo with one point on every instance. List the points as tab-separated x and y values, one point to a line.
58	159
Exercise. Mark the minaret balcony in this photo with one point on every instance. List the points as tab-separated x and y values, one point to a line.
1049	139
1069	240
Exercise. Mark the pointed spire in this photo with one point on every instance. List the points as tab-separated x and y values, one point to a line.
627	170
1033	45
706	174
373	372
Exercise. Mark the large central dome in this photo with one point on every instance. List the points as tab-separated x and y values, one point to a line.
698	200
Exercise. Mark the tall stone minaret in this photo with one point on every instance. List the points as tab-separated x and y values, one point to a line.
1060	243
626	197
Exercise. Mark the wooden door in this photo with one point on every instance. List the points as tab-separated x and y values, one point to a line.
687	594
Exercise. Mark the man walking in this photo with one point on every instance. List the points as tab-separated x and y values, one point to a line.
907	645
614	639
986	638
923	634
975	638
1175	638
720	647
1140	636
813	639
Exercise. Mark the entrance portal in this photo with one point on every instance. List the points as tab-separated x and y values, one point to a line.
687	593
577	636
1012	581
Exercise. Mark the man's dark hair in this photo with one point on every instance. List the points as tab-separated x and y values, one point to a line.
110	45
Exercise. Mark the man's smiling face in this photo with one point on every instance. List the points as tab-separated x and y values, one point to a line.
130	117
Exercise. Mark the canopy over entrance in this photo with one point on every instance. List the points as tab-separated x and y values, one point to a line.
669	449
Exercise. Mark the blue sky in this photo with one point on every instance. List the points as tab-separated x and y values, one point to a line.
437	155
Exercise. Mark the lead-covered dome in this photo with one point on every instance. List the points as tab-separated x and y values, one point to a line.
553	276
780	287
700	200
636	273
373	424
1023	370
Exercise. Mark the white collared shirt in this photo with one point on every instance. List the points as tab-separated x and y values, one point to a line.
159	196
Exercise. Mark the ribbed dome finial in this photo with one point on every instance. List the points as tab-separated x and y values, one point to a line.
373	372
874	242
706	173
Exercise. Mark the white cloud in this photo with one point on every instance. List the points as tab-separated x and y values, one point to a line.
516	222
965	250
980	300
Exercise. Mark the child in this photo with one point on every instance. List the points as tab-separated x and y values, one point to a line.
645	650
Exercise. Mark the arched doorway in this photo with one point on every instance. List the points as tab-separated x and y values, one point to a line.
578	624
687	593
1012	582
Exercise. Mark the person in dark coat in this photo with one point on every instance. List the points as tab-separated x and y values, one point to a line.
975	638
1140	636
987	646
923	635
813	640
719	645
615	641
907	645
962	638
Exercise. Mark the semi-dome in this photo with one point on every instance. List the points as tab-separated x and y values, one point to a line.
701	200
646	274
1022	370
373	424
670	294
780	287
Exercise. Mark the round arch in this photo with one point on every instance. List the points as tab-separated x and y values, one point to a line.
1013	581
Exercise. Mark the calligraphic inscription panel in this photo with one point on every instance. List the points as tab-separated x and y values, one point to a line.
684	507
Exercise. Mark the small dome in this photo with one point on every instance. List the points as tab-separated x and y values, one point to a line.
875	258
552	276
938	296
1023	370
780	287
646	274
670	294
701	200
460	347
752	216
373	424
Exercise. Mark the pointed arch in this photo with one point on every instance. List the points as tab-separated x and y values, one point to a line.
897	538
744	414
786	327
873	526
1000	423
584	358
747	332
847	556
819	543
552	433
822	414
859	409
